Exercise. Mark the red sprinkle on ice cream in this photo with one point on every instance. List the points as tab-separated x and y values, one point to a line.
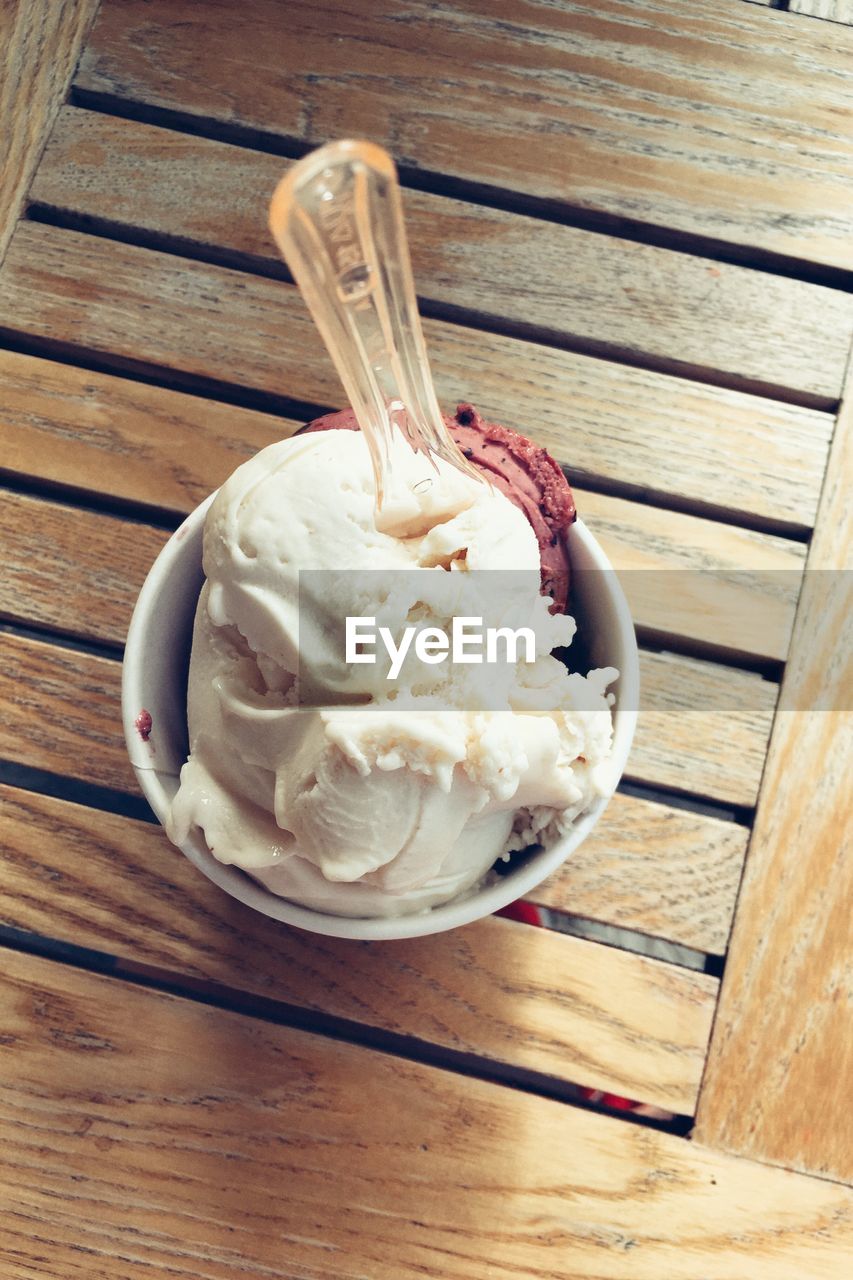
143	724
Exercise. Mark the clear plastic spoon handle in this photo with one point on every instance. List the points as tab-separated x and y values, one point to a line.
337	218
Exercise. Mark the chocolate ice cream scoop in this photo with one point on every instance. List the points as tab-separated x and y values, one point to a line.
526	473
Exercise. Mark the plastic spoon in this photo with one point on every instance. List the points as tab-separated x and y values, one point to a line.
337	218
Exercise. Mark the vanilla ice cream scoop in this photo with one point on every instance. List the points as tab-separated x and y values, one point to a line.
312	773
343	783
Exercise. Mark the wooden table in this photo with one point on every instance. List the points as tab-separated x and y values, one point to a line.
631	228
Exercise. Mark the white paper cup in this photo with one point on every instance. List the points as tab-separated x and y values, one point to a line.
154	679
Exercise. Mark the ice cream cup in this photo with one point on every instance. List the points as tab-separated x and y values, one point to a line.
154	681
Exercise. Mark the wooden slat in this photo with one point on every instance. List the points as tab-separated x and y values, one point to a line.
41	42
707	117
135	442
80	571
703	729
667	872
786	1019
61	712
558	281
833	10
526	998
731	589
723	449
144	1134
76	571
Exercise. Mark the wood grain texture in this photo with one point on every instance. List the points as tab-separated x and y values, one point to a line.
710	117
786	1017
527	998
142	305
554	281
702	730
143	1133
61	712
99	434
646	866
40	42
724	450
666	872
79	572
833	10
730	589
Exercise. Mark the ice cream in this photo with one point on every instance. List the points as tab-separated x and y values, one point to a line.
526	473
310	772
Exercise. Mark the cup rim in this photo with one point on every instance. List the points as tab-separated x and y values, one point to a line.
450	915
